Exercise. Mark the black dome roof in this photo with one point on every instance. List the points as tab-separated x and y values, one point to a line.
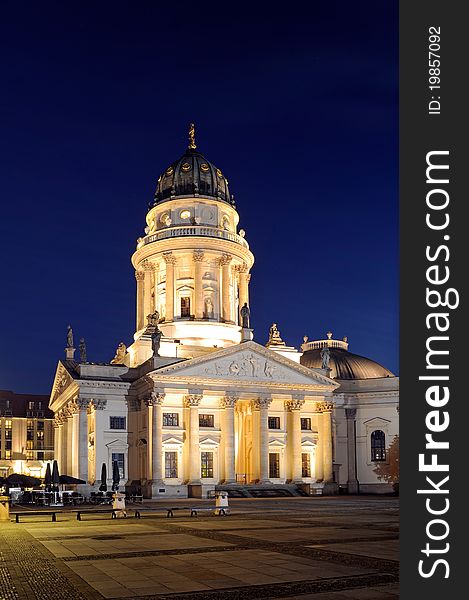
190	175
345	365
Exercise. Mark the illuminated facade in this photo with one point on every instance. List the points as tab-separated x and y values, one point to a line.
194	402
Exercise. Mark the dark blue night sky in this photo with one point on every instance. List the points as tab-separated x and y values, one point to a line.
299	109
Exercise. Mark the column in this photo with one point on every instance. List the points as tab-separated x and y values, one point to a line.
139	276
170	261
225	290
229	403
294	405
57	439
262	404
192	402
244	278
155	401
352	482
319	461
326	410
83	404
198	256
147	289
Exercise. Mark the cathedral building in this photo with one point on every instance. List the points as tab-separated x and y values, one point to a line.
194	402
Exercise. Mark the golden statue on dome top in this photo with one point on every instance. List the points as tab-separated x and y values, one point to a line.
192	144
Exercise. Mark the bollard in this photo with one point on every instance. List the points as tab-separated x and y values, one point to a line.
4	508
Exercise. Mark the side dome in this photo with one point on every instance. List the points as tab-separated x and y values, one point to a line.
192	175
343	364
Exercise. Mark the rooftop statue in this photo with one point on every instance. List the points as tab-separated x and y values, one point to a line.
274	336
69	337
155	341
326	357
245	315
153	319
119	358
82	348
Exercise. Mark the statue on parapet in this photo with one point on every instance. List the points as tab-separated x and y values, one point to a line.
245	316
69	337
82	348
153	319
275	338
325	357
155	341
119	358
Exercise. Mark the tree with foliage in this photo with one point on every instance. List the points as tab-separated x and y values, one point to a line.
389	470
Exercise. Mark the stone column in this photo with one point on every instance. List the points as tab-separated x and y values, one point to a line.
319	461
294	405
147	289
262	405
170	261
83	438
192	402
326	410
352	481
198	256
229	403
63	467
155	401
225	261
57	438
244	278
139	276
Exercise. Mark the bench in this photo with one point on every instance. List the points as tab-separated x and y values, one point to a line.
87	511
169	510
216	510
35	512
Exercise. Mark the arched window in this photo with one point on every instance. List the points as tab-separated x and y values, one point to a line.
378	445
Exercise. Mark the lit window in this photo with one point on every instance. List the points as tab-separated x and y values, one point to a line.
206	464
306	424
30	425
274	465
29	455
306	464
378	445
7	423
31	405
171	465
117	422
274	422
170	419
40	435
206	421
8	454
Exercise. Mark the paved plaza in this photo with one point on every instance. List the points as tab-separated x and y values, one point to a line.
320	548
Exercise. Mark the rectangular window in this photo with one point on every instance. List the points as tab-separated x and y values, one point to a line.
40	426
40	455
185	307
29	455
8	454
306	464
306	424
171	465
29	424
29	445
170	419
274	422
40	435
31	406
206	464
274	465
7	423
206	421
8	434
119	458
8	444
30	435
117	422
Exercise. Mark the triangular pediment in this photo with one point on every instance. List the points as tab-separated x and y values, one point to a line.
170	440
247	362
62	381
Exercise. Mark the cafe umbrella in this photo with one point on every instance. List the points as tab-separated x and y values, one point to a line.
48	478
55	482
20	480
115	476
103	486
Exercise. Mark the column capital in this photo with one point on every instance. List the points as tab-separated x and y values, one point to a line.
148	266
154	398
325	407
99	403
228	401
225	260
294	403
198	255
139	275
261	402
350	413
169	258
192	400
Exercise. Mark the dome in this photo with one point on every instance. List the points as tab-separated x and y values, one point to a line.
343	364
192	175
